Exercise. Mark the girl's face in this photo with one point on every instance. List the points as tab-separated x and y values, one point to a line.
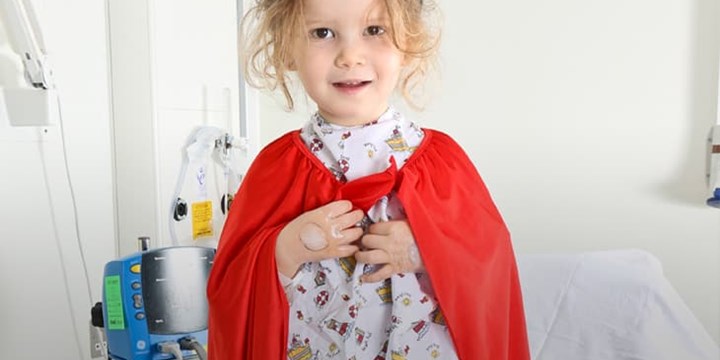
346	60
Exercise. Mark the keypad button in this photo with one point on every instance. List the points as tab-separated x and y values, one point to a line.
137	301
135	269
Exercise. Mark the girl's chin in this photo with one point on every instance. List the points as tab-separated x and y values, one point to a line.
351	118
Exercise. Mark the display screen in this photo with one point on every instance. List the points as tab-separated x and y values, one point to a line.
174	282
114	303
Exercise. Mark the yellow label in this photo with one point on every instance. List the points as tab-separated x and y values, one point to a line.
202	219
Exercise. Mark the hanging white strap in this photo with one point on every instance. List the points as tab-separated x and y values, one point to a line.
198	148
202	143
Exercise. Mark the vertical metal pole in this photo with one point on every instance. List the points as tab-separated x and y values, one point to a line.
713	166
242	90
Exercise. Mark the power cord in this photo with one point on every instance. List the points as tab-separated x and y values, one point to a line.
74	204
58	241
190	343
171	347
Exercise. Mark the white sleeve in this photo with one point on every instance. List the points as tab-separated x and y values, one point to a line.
290	284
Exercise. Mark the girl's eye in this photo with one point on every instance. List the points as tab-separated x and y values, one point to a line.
374	30
321	33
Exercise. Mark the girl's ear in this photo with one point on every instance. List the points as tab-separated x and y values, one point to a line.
291	65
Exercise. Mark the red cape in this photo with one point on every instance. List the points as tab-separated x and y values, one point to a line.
462	239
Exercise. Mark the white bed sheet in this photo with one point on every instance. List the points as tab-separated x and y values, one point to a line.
610	305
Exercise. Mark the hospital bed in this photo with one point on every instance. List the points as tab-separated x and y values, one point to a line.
607	305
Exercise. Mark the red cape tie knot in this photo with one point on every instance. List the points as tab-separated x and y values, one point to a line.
366	191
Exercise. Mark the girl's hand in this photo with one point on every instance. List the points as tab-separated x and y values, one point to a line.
390	243
324	233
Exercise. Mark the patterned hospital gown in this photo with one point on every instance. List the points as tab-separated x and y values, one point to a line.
332	314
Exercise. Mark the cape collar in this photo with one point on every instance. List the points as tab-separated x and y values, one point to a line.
298	142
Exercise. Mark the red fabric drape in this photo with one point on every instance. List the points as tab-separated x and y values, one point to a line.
462	239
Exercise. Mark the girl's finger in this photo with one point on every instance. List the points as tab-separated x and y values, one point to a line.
349	219
381	228
372	257
336	208
379	275
350	235
371	241
342	251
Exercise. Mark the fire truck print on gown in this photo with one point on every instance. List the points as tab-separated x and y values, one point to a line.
332	314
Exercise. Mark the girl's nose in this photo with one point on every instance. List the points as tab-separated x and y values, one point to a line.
351	53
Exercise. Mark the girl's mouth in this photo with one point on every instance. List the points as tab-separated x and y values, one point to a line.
352	84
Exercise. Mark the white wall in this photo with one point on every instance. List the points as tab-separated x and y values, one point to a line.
588	122
174	69
44	287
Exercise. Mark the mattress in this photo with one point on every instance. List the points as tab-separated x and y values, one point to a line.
610	305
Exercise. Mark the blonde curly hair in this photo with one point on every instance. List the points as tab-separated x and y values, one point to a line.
268	33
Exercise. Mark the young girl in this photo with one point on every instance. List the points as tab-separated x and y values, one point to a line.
360	236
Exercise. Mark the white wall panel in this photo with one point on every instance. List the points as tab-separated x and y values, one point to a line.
588	122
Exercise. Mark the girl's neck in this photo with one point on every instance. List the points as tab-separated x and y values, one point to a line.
350	123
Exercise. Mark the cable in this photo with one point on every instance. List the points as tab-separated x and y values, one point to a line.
76	223
199	349
59	247
74	202
53	215
190	343
170	347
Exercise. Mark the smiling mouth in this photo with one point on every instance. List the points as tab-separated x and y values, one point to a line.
351	84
